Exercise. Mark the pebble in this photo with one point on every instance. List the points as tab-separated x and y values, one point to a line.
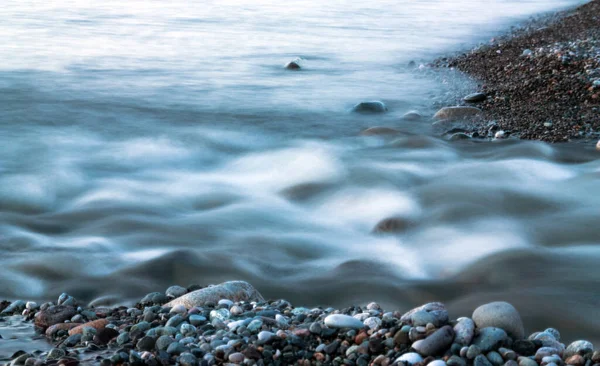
437	309
178	309
464	330
373	323
456	113
163	342
410	358
375	106
95	324
475	98
187	359
500	315
437	363
31	305
197	320
264	336
527	52
555	333
524	347
225	302
232	290
176	320
575	360
236	357
490	338
236	310
343	321
473	351
544	352
598	145
499	135
526	361
174	292
221	314
578	347
53	315
495	358
154	298
437	343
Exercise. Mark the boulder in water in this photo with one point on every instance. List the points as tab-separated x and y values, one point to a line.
374	106
294	64
374	131
412	116
232	290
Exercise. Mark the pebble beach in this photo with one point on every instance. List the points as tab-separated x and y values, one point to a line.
232	324
539	82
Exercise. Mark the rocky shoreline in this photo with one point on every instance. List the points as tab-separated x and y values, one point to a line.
232	324
540	82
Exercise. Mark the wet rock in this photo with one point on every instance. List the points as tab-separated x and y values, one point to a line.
437	363
54	315
598	145
174	292
437	343
501	315
51	331
475	98
73	340
56	353
392	225
233	290
412	116
163	342
96	324
575	360
500	135
507	354
236	357
464	330
579	348
147	343
490	338
401	338
375	131
495	358
295	64
105	335
459	136
473	351
343	321
437	309
373	322
153	298
15	307
545	352
332	347
456	113
375	106
525	361
187	359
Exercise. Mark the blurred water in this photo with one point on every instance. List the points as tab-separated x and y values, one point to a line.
150	143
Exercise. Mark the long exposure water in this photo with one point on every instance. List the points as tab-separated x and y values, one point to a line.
151	143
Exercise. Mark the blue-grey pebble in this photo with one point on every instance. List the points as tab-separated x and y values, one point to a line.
163	342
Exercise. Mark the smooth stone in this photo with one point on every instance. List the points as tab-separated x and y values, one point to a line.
255	325
511	363
373	323
374	131
579	347
295	64
575	360
96	324
547	339
526	361
221	314
475	98
473	351
174	321
500	135
236	310
54	315
507	354
197	320
500	314
187	359
464	331
456	113
544	352
123	338
459	136
437	363
163	342
264	336
51	331
154	298
375	106
410	358
233	290
481	360
455	360
524	347
436	308
437	343
555	333
598	145
412	116
236	357
73	340
176	348
105	335
495	358
178	309
31	305
56	353
490	338
174	292
225	302
343	321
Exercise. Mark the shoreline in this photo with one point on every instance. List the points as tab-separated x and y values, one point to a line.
540	81
231	324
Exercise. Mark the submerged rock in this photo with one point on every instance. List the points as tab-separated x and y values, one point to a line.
501	315
392	225
373	131
456	113
412	116
232	290
370	107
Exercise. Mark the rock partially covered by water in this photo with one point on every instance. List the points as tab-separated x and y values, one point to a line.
374	131
412	116
295	64
437	343
343	321
456	113
475	98
435	312
232	290
375	106
54	315
501	315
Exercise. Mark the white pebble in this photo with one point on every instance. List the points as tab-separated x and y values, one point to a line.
410	358
31	305
500	135
343	321
598	145
372	322
179	309
265	336
437	363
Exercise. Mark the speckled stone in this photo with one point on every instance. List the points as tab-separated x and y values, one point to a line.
500	315
233	290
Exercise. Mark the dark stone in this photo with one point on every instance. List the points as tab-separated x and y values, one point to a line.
376	345
475	98
105	335
146	344
72	340
524	347
252	353
54	315
332	347
370	107
481	360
